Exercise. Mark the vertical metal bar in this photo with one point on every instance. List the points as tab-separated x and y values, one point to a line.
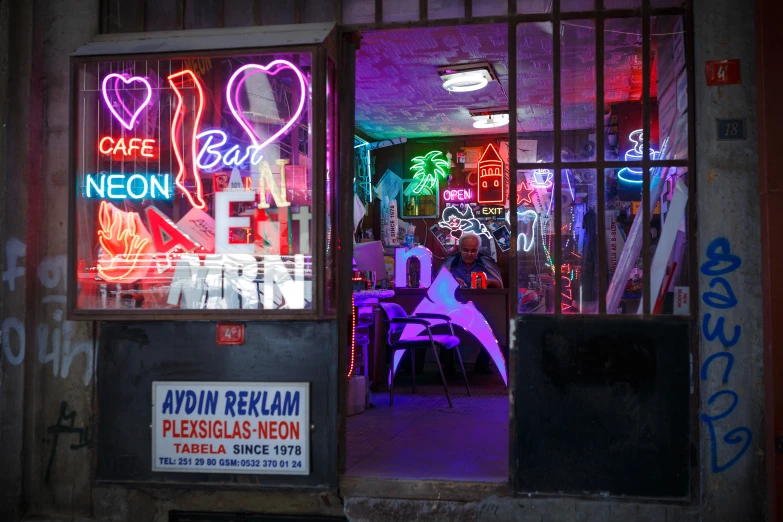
318	136
556	83
257	18
220	13
691	225
512	7
180	14
423	10
646	203
142	4
378	11
513	263
298	12
600	156
347	101
338	12
469	15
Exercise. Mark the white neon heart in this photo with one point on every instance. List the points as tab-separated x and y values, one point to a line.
106	97
232	96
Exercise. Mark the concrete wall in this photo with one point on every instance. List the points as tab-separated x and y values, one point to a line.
732	446
47	363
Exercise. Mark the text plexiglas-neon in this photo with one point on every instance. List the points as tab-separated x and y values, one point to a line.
194	187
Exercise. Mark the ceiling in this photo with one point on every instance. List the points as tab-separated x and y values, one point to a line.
399	93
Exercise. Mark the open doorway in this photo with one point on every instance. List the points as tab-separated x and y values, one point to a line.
428	396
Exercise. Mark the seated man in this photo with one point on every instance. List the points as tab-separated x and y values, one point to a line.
467	260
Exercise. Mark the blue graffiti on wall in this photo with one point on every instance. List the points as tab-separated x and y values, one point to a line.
720	261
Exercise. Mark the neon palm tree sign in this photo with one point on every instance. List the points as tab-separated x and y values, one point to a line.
426	169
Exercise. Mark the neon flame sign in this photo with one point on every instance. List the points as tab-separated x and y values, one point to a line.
634	175
119	238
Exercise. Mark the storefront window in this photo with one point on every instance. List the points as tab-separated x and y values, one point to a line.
194	183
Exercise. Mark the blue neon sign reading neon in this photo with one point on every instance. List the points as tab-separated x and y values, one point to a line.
128	186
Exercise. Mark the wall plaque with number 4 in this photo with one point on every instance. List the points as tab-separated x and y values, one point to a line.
230	333
723	72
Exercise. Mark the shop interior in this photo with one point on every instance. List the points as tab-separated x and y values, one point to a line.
428	375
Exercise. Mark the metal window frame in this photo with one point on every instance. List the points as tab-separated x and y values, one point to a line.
212	43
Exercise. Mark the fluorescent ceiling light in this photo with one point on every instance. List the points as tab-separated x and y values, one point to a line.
490	121
465	82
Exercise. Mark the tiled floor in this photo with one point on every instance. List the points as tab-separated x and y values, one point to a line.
420	437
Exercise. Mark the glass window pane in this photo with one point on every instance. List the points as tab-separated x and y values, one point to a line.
576	5
401	11
669	87
533	6
535	242
191	198
623	109
490	7
440	9
670	264
579	241
535	119
577	83
358	11
623	248
622	4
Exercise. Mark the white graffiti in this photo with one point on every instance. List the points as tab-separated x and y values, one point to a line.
54	337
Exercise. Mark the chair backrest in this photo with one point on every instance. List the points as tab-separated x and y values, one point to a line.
394	311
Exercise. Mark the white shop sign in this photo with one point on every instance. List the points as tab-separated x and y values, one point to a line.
225	427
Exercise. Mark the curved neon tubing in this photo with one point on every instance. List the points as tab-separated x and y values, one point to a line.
176	122
235	99
141	107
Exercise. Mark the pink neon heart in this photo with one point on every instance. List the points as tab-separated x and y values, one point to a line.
108	92
232	96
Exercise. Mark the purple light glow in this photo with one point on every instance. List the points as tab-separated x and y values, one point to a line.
441	299
232	97
401	257
126	81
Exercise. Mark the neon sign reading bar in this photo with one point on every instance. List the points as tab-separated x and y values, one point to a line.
123	186
210	155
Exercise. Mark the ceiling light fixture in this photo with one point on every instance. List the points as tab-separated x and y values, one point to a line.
490	121
466	77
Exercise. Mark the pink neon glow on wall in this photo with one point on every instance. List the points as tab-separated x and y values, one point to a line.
232	97
176	123
460	195
126	111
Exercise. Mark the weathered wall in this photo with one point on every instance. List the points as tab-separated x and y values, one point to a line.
730	319
47	362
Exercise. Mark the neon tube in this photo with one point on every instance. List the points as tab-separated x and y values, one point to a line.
176	122
634	175
232	96
134	116
112	229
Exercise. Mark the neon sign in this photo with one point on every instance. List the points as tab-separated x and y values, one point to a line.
526	238
542	178
491	188
232	96
120	239
461	221
460	195
126	112
441	299
634	175
120	149
426	169
230	158
122	186
176	124
401	257
524	194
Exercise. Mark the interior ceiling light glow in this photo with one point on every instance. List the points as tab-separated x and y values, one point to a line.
465	82
490	121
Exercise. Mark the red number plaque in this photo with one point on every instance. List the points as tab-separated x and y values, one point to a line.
723	72
230	333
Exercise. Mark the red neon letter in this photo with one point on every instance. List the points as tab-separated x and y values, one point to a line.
120	146
133	145
176	123
103	140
